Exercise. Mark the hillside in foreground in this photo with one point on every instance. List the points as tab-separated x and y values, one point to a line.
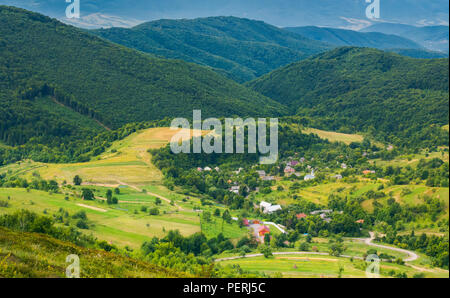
36	255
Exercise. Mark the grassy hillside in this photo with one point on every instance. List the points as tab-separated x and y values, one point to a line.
126	161
41	56
30	255
127	165
397	99
244	49
117	224
312	266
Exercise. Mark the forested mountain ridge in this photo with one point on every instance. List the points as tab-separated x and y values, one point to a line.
116	84
397	99
243	48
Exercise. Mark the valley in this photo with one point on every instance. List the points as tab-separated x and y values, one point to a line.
362	165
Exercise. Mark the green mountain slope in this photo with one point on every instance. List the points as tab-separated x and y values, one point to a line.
358	89
31	255
244	48
43	58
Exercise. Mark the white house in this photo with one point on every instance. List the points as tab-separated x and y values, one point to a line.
208	169
310	176
263	205
268	208
272	209
235	189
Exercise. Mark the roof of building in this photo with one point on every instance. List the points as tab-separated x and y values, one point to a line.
289	169
265	204
264	229
301	215
273	208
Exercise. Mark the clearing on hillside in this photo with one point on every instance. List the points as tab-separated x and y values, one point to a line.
126	160
335	136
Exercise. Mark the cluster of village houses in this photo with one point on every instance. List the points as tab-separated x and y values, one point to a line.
267	208
288	171
261	229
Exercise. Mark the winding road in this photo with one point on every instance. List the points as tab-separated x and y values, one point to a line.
368	241
412	256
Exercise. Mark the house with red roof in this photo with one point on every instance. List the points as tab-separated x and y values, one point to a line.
289	170
263	230
301	215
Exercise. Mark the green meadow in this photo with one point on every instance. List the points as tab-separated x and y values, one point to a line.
313	266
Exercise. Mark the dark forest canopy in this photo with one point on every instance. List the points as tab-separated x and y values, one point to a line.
120	85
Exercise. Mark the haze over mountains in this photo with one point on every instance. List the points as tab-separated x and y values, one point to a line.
432	37
284	13
430	42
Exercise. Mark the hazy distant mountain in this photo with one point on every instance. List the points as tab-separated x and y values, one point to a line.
244	49
387	42
343	37
330	13
432	37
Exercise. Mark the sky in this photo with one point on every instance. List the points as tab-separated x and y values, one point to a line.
350	14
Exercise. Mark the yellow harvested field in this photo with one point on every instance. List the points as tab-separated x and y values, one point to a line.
334	136
126	161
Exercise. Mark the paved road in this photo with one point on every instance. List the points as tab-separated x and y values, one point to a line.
411	255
